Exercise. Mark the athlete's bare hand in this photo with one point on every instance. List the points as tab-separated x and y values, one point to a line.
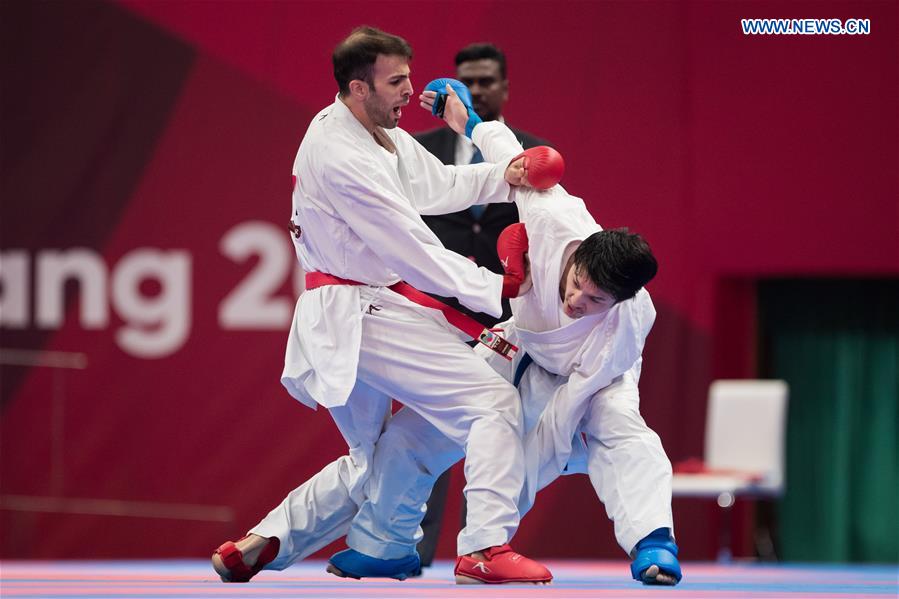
517	172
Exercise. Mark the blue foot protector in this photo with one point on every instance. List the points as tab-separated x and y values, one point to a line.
350	563
656	548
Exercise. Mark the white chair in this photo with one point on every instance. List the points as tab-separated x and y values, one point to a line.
745	437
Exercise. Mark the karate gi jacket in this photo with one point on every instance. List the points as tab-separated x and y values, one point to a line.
591	351
357	208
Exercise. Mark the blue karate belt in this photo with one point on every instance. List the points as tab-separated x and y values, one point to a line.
526	360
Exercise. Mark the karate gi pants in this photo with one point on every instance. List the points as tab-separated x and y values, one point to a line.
611	442
407	354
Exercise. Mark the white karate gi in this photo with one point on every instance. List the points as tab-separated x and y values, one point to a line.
352	348
580	397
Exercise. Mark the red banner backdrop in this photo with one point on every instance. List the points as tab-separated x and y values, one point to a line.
146	154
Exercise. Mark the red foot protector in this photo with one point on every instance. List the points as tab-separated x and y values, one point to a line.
501	565
232	558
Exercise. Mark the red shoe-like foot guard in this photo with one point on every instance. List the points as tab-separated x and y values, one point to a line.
232	560
500	565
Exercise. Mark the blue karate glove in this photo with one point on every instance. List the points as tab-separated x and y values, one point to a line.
439	86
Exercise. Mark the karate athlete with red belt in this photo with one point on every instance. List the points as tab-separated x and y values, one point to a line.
360	337
580	321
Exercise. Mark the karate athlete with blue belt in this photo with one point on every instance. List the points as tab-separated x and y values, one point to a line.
580	320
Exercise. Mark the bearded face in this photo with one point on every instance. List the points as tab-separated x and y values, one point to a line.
390	90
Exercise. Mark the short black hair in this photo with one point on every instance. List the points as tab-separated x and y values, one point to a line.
354	57
617	261
481	51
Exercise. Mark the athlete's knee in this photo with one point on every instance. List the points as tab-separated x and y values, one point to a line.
354	471
509	406
614	422
422	450
498	406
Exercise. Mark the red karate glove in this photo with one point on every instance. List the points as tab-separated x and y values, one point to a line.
543	166
511	246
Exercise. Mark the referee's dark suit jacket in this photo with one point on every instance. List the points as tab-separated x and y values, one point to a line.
461	232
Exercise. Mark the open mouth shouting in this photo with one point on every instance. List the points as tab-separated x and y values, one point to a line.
398	109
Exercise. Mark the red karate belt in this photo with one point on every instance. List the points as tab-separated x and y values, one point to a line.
466	324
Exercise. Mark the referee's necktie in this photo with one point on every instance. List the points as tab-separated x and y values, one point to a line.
477	211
